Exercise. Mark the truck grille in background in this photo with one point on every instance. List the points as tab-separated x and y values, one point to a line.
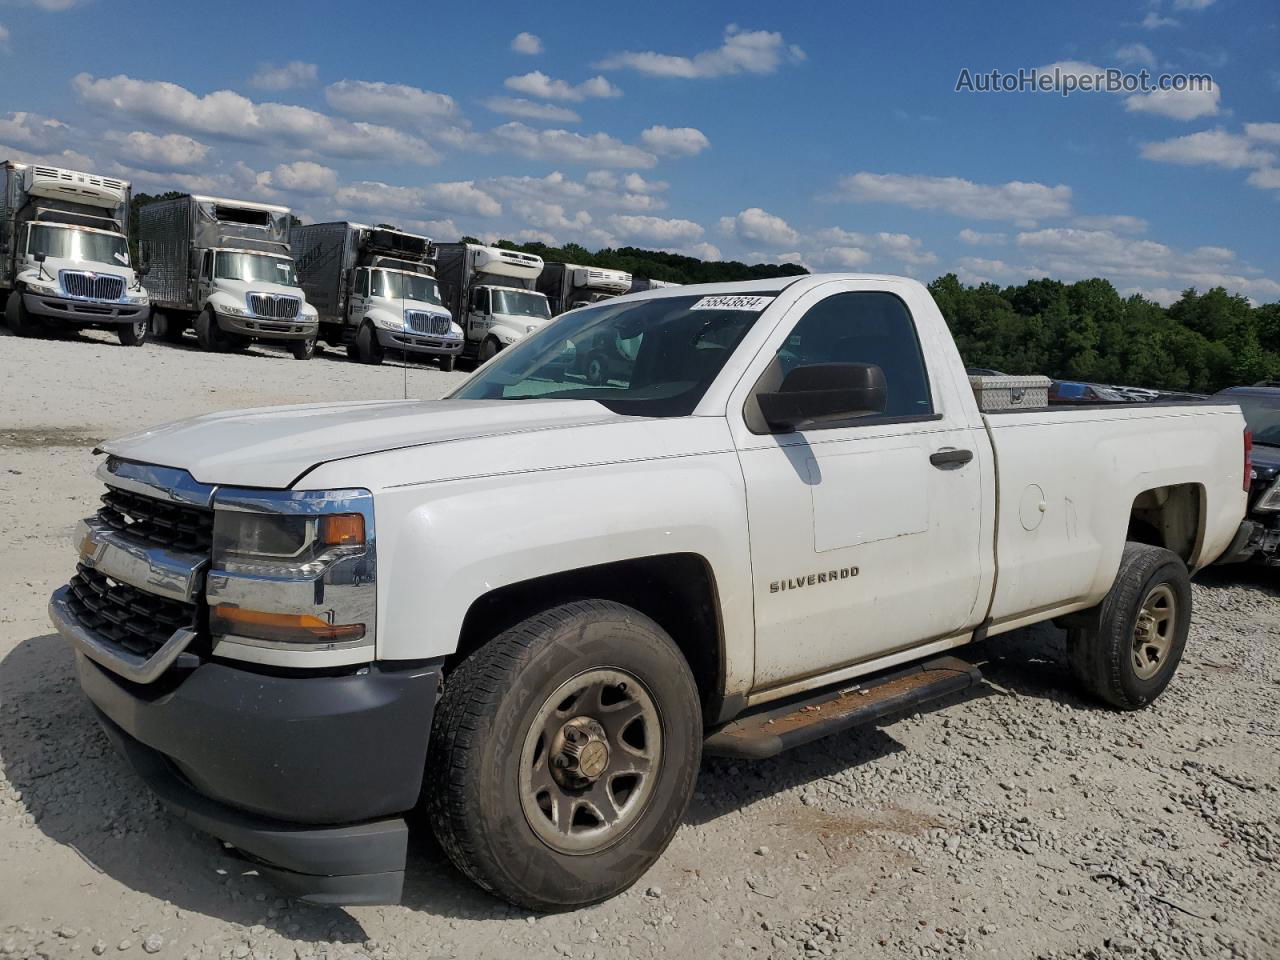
96	286
158	522
137	621
427	323
274	307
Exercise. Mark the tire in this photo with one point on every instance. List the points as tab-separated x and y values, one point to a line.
367	347
212	337
498	748
17	317
447	362
166	327
488	350
1129	654
597	370
133	334
303	349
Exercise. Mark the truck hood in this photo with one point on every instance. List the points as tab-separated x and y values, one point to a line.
273	447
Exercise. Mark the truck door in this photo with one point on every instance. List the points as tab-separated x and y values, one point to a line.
479	314
204	281
864	535
358	302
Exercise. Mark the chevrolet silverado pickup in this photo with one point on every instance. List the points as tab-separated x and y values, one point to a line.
529	608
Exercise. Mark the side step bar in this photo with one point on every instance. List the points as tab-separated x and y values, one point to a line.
773	728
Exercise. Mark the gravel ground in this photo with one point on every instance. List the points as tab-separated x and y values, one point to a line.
1015	821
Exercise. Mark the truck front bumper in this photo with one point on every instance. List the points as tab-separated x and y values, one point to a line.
297	329
85	311
412	342
308	777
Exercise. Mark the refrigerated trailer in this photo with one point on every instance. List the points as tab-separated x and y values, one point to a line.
641	284
490	292
374	289
226	267
568	285
64	253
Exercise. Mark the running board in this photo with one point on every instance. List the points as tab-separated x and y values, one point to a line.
772	729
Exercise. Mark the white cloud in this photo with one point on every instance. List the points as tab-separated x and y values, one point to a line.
229	115
977	239
172	151
71	159
1191	4
304	176
388	101
1178	104
4	38
460	197
295	73
704	251
655	230
1266	132
1268	178
1216	148
1153	21
597	149
550	216
599	189
635	183
1138	53
1016	200
538	84
530	110
1118	222
527	43
754	225
32	131
56	6
743	51
849	249
675	141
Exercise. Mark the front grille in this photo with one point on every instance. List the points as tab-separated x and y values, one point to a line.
137	621
433	324
158	522
274	306
97	286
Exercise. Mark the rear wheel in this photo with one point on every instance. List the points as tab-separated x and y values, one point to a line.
1129	654
564	754
166	326
132	334
18	318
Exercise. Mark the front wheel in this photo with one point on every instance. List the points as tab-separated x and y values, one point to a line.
489	349
132	334
303	349
367	347
1131	651
446	362
564	753
18	318
211	336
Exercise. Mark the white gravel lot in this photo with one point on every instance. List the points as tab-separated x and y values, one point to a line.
1015	821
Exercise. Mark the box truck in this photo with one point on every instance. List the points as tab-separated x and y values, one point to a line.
641	284
375	290
568	285
64	253
491	293
225	266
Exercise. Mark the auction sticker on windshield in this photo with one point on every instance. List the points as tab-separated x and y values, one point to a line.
754	304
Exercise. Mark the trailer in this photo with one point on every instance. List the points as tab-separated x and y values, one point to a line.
374	290
226	267
568	285
641	284
492	293
64	253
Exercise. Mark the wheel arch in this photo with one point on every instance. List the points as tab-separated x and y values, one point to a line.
1172	517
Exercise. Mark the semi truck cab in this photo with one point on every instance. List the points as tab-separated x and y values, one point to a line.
504	315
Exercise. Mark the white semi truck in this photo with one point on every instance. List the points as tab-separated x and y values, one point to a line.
225	267
64	253
375	290
569	286
491	293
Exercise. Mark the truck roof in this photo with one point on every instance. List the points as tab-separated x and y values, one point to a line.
247	204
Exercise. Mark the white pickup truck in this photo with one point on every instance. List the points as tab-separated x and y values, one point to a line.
531	607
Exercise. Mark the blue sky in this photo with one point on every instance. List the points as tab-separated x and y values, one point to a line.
827	134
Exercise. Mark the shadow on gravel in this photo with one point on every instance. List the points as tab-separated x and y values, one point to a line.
1265	580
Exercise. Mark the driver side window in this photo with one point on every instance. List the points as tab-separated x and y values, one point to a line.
865	327
206	267
480	300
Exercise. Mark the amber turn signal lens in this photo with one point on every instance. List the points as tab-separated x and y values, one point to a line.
282	627
342	530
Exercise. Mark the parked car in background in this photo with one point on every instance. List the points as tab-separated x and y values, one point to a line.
1261	408
1072	391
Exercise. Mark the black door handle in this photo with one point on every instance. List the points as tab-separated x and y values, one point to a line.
950	458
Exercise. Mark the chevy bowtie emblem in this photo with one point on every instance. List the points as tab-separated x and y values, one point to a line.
813	579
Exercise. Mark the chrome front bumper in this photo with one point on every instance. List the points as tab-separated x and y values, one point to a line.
297	329
85	311
419	342
119	661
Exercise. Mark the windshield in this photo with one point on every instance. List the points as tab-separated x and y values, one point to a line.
1262	414
405	286
251	267
651	358
65	244
521	303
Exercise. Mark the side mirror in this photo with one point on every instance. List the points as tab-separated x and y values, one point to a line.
821	394
38	257
143	268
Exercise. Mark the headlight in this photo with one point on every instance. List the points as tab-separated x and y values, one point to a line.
1269	502
136	298
389	323
293	577
233	310
44	289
